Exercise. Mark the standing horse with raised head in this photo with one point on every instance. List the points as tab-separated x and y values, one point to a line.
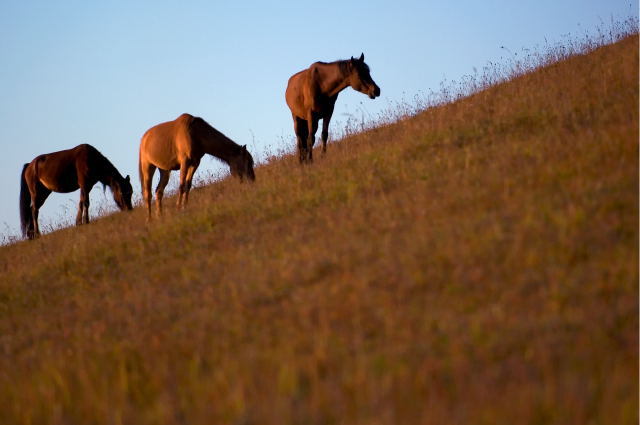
312	93
66	171
180	145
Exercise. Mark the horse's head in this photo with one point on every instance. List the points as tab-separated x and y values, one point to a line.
242	165
122	192
360	78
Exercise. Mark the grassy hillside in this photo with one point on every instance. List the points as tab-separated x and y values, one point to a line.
476	263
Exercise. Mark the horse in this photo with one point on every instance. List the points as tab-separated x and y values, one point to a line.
66	171
180	145
312	93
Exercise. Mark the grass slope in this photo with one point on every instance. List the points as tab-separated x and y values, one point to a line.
476	263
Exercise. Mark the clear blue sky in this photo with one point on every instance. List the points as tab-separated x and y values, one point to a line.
81	72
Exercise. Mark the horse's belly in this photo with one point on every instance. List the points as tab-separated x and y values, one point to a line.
61	186
60	176
165	164
162	154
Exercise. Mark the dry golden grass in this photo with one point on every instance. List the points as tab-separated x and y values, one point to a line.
475	263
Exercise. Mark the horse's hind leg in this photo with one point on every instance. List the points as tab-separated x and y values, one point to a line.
32	185
34	232
325	131
302	133
40	194
190	173
164	179
187	170
312	123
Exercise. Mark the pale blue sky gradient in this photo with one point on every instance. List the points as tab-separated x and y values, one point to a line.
79	72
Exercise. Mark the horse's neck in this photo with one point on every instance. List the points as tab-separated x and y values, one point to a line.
335	79
217	144
108	174
109	179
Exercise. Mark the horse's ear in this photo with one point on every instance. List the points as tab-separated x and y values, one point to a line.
244	148
127	178
361	57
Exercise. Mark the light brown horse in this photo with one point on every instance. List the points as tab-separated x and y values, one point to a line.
312	93
180	145
66	171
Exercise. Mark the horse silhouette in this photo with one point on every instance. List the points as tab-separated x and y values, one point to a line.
180	145
312	93
66	171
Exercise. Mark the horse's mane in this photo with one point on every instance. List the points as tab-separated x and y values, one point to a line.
106	163
109	170
343	64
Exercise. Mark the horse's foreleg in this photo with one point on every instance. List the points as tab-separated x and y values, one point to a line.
80	212
190	172
325	132
83	208
164	179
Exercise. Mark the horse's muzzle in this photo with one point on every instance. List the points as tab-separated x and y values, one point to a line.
375	93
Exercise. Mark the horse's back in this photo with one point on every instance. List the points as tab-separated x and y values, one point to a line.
65	157
59	171
87	153
169	129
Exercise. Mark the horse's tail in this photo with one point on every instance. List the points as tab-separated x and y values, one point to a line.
25	203
140	168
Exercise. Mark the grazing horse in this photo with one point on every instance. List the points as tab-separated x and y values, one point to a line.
180	145
312	93
66	171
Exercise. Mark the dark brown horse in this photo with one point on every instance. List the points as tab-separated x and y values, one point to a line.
180	145
312	93
66	171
